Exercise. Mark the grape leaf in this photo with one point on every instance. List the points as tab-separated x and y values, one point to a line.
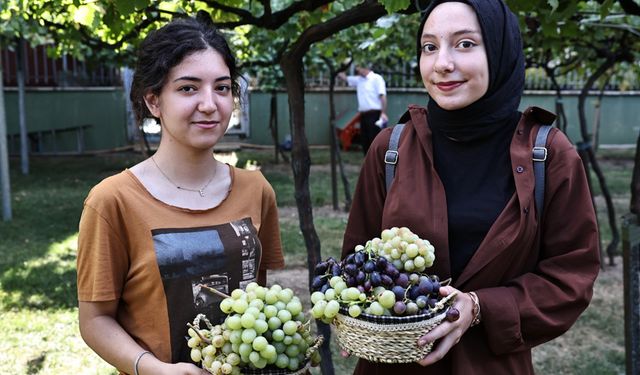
395	5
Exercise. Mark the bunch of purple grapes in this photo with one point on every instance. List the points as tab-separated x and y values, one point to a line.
383	289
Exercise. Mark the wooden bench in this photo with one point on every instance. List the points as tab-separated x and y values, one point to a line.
37	138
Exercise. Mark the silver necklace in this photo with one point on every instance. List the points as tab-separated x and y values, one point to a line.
200	191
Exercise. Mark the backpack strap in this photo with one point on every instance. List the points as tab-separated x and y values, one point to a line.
391	156
539	156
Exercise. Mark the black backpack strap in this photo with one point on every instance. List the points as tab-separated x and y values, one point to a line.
539	156
391	156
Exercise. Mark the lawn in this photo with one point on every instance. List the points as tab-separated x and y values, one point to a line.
38	329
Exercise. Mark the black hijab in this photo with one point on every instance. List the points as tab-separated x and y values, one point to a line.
471	145
499	106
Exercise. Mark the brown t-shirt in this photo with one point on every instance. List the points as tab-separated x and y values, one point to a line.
152	256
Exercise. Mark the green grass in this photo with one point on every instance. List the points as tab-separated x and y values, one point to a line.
281	177
595	344
330	232
38	329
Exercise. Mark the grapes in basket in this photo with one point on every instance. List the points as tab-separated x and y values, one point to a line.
383	277
380	299
265	332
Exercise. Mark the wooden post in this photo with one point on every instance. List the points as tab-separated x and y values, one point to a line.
631	272
22	115
5	185
80	139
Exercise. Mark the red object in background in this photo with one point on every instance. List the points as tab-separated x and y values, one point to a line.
350	130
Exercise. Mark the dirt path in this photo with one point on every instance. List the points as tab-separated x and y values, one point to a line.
294	278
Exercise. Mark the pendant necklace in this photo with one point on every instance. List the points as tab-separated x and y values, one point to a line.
199	191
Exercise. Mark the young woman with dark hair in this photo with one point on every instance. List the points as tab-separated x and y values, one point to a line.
153	235
465	182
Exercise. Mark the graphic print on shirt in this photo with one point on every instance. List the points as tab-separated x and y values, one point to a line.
223	257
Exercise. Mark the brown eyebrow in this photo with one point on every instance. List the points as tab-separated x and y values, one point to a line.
196	79
455	33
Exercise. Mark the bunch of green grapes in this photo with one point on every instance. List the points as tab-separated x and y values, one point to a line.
404	249
213	348
264	327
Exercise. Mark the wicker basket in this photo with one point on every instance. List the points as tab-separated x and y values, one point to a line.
388	339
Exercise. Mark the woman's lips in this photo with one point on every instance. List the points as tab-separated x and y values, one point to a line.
448	86
206	124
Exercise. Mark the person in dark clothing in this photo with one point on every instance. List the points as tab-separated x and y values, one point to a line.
464	181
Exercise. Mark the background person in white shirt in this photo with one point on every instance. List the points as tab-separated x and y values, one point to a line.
372	102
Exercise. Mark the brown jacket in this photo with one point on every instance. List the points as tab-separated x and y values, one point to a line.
527	296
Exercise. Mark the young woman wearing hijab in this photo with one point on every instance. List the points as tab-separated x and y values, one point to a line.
464	181
152	235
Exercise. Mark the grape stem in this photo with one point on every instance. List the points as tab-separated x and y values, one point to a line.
441	304
315	346
214	291
197	331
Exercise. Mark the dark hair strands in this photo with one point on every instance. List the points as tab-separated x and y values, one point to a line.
165	48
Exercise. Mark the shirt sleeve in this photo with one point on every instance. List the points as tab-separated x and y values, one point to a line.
544	303
269	233
353	80
102	261
381	87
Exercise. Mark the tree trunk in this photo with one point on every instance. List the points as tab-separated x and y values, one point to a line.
5	185
291	65
24	140
334	152
336	155
588	155
273	124
273	127
634	205
132	129
333	142
597	115
145	148
135	131
561	122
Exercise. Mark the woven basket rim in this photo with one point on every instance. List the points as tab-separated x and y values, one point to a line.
392	319
390	327
441	306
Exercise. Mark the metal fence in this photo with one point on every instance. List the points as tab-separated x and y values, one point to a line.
40	70
408	76
44	71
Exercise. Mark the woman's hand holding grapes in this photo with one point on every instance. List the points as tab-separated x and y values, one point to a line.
449	332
